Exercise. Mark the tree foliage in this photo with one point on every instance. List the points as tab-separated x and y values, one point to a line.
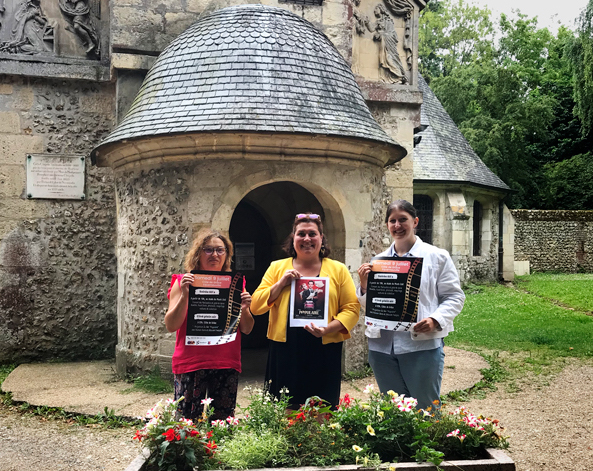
580	53
512	98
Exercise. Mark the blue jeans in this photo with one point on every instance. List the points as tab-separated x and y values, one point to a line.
415	374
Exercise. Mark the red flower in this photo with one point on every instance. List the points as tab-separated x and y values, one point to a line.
138	436
193	433
345	401
209	434
300	416
170	435
211	446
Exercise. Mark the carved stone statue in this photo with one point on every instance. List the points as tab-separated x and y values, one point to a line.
404	9
80	14
32	32
391	69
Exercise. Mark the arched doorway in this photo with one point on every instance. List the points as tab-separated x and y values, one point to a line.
260	223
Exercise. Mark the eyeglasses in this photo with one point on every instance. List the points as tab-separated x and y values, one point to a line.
218	250
307	216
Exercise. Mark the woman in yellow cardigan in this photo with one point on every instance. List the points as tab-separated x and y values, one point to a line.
306	361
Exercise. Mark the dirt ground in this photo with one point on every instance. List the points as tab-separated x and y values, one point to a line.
549	421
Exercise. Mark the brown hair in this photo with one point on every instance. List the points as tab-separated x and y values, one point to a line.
192	259
400	205
288	245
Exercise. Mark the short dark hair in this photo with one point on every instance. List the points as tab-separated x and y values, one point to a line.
401	205
288	245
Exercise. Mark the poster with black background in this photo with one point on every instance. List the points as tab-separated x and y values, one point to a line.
214	307
392	292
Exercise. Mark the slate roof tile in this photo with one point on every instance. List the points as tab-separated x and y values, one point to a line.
250	67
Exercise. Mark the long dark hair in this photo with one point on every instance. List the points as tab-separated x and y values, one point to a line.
288	245
400	205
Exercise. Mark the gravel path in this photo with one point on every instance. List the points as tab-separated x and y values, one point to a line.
550	423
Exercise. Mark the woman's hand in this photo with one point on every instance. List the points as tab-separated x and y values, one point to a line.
363	274
288	276
334	326
186	280
316	331
426	325
246	323
245	300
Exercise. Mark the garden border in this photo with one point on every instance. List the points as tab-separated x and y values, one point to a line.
497	460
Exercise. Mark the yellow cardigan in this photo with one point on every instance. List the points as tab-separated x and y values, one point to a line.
343	303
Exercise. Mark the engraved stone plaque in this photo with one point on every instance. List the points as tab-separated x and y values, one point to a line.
55	176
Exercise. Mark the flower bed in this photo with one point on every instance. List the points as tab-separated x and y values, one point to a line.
361	434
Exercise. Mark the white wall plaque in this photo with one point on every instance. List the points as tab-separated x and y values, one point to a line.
55	176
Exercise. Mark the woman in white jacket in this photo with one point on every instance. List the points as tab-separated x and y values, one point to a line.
411	363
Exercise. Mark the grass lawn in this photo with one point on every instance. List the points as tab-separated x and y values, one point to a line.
572	289
506	318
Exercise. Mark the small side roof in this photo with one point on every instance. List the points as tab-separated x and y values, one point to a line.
443	154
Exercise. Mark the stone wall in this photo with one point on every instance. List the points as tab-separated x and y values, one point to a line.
559	241
57	257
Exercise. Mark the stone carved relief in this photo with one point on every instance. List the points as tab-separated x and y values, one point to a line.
391	67
31	32
81	16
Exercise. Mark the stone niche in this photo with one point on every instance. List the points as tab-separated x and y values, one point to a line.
62	38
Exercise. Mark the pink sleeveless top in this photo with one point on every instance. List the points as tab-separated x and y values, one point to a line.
188	358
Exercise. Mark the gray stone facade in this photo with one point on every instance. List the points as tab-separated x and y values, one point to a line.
554	241
57	257
67	267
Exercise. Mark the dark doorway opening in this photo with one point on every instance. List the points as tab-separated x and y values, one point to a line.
260	224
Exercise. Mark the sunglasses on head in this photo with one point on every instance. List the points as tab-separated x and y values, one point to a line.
307	216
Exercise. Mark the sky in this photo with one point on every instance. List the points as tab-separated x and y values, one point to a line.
549	12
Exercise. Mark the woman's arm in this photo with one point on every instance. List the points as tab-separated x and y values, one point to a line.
247	321
270	288
451	296
178	303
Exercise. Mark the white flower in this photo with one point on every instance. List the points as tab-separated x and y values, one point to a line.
206	401
370	430
284	390
356	448
335	425
368	389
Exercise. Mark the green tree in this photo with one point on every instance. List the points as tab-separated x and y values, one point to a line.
570	182
452	34
512	99
580	52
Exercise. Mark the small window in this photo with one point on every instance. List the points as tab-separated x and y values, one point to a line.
423	205
477	230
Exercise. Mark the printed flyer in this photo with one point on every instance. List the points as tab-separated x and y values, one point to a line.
214	307
392	292
309	297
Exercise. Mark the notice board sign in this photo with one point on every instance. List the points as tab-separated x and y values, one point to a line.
392	294
52	176
214	307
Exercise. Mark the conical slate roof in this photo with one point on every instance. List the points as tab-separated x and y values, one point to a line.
250	68
443	154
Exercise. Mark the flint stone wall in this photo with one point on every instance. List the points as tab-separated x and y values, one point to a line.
57	257
559	241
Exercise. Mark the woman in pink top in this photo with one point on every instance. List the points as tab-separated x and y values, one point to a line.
205	368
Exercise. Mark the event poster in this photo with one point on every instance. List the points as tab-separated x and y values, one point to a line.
214	307
393	289
309	298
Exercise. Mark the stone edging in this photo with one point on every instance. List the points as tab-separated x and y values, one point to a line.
498	460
